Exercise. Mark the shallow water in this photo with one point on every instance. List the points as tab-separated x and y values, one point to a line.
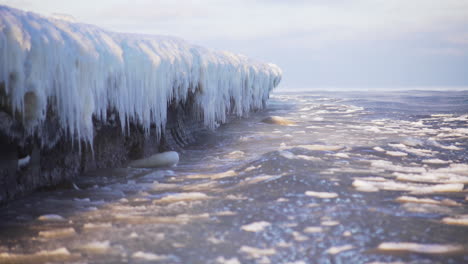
357	175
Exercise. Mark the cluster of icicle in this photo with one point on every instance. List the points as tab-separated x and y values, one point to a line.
85	71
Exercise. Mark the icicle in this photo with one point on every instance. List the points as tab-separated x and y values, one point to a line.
88	70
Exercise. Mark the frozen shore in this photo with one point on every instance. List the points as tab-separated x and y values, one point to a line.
74	97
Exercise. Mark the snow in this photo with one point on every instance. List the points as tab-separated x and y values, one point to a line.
82	71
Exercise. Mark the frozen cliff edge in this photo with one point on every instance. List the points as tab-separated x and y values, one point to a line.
63	83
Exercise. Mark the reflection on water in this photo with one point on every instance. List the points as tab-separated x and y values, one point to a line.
352	178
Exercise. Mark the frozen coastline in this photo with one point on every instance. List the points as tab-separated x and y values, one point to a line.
62	83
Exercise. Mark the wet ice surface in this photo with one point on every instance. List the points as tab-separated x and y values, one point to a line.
374	178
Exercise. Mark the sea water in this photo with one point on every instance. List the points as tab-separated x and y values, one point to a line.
352	177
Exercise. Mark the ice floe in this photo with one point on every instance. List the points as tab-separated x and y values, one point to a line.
420	248
255	226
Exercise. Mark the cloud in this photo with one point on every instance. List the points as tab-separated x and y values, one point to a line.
316	42
247	19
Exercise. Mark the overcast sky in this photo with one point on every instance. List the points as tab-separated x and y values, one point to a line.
317	43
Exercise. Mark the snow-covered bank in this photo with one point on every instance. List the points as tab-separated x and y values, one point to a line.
83	71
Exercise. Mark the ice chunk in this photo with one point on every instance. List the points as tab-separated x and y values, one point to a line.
278	120
96	247
330	223
23	162
436	161
323	195
255	226
321	147
420	248
457	220
375	184
410	199
214	176
169	158
396	153
60	232
347	233
58	255
338	249
313	229
379	149
299	237
237	154
257	252
149	256
222	260
177	197
51	217
96	225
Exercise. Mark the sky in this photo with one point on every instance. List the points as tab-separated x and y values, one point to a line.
317	43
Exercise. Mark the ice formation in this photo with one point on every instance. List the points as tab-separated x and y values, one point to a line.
169	158
82	71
